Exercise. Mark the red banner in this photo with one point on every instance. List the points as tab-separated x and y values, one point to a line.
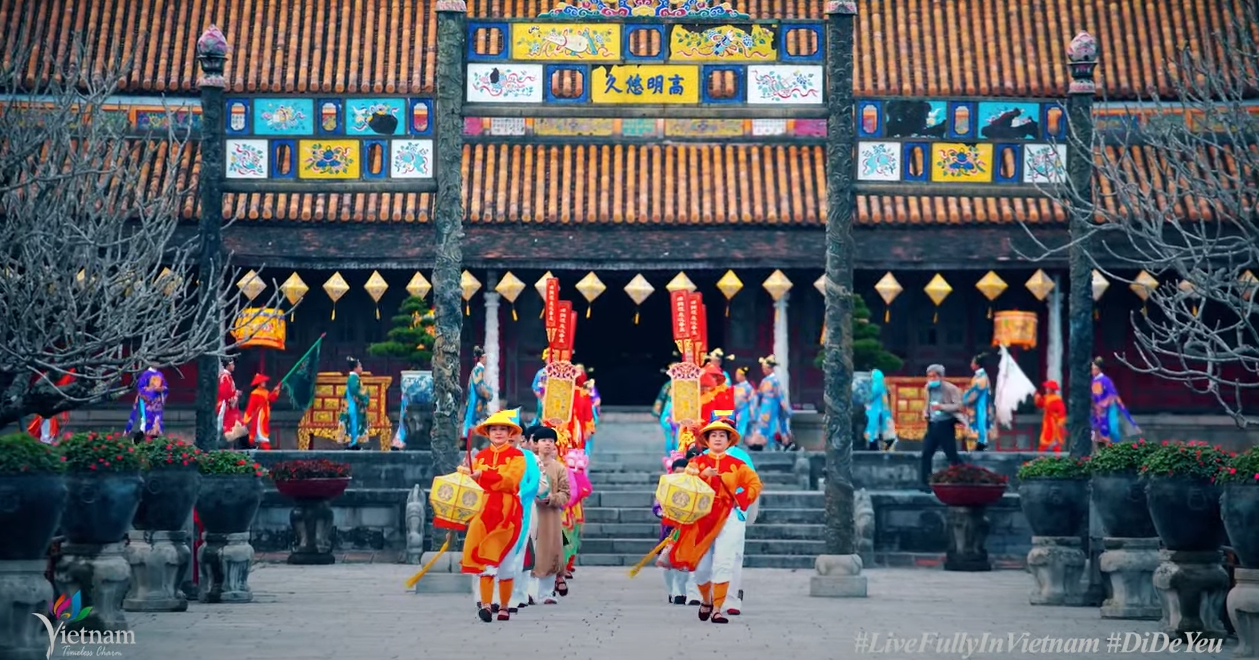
552	308
701	344
566	324
694	304
572	330
678	303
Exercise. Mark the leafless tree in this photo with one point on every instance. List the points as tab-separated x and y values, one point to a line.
1174	195
93	283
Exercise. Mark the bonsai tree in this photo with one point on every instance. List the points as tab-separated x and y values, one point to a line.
1054	467
867	349
411	338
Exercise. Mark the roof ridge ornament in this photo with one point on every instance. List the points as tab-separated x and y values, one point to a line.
842	7
1082	59
614	9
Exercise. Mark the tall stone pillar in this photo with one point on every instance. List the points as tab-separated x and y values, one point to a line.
493	348
212	55
1053	352
782	345
839	570
448	225
1082	56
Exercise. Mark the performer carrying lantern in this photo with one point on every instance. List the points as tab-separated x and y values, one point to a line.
710	546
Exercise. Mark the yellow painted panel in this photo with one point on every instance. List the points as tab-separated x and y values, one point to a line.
650	83
574	42
329	159
724	43
961	163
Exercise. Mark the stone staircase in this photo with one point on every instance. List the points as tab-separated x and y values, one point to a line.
625	466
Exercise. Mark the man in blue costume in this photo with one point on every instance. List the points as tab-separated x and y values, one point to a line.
528	493
734	601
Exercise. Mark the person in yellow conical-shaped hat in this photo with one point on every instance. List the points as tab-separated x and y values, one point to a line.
489	548
710	547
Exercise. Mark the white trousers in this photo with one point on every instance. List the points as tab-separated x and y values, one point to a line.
520	589
505	571
676	582
718	563
736	582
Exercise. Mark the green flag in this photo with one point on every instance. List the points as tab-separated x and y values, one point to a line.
300	382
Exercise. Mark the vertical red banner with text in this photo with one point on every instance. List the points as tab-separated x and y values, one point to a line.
678	307
552	300
694	302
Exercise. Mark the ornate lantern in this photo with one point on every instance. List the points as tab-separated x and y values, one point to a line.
470	285
335	287
992	286
294	289
418	286
456	500
684	498
777	285
1143	285
1014	328
262	327
590	287
540	287
1247	284
170	282
251	285
888	289
937	289
1040	285
376	287
510	287
680	282
638	289
729	284
1100	284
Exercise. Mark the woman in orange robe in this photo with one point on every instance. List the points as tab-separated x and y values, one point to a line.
258	413
492	534
1053	426
709	547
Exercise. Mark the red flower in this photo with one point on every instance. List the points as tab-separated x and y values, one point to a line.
185	462
131	449
118	457
1232	470
64	459
1165	443
93	467
106	463
240	462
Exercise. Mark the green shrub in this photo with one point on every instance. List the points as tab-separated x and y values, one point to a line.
1054	467
94	451
1120	457
168	453
1241	468
22	454
229	462
1195	460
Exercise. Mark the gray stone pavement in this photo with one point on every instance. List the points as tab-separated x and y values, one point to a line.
363	612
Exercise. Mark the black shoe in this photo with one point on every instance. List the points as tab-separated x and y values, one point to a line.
485	614
874	446
693	603
494	608
512	610
888	444
679	600
740	595
981	447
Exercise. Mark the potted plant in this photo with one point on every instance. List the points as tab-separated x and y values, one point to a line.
1239	506
411	340
171	482
231	491
104	487
1053	493
968	485
1117	489
33	493
313	484
1183	498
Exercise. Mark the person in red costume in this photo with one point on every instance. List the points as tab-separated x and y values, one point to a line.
581	424
258	414
228	403
47	429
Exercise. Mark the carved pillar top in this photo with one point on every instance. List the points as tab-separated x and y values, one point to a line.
458	6
1082	59
841	7
212	51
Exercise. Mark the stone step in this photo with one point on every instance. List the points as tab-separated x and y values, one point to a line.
750	547
760	530
766	516
636	499
652	573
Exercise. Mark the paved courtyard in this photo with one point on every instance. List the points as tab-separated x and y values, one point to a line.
362	612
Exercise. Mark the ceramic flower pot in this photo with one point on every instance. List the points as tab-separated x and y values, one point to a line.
1186	513
227	503
31	507
1121	505
101	506
1054	507
968	494
1239	507
167	499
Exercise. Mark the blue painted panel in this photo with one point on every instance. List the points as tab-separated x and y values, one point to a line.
238	117
504	29
740	78
870	119
283	159
999	163
923	159
660	30
379	160
962	122
379	116
284	116
420	120
1009	120
331	116
816	29
582	69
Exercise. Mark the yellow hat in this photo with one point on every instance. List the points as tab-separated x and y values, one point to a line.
500	418
720	425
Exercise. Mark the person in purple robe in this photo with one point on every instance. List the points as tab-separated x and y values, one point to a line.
1109	413
146	415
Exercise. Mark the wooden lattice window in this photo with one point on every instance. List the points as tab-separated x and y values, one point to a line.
488	41
801	42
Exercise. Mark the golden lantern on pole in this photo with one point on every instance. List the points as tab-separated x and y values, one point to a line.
376	287
777	285
540	287
937	289
251	285
294	289
888	289
335	287
729	284
590	287
1040	285
638	289
992	286
418	286
510	287
1143	285
680	282
470	286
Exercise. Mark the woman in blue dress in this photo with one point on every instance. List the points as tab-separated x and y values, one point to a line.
744	401
879	424
353	427
479	394
978	397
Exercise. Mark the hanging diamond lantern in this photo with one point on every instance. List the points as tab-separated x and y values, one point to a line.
1143	285
680	282
376	287
888	289
777	285
470	285
729	284
1100	284
418	286
992	286
937	289
590	287
510	287
335	287
294	289
540	287
169	281
1248	283
1040	285
251	285
638	289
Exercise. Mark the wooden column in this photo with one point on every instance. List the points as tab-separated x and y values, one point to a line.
448	223
493	345
1082	56
212	56
782	344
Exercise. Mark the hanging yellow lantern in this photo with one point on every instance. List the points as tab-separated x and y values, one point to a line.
540	287
1040	285
638	289
510	287
937	289
335	287
1100	284
1248	283
262	327
418	286
1191	292
680	282
820	285
777	285
729	284
294	289
991	285
1014	328
888	289
1143	285
684	498
470	285
376	287
251	285
169	282
590	287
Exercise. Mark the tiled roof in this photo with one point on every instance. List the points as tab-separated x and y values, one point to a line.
341	46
